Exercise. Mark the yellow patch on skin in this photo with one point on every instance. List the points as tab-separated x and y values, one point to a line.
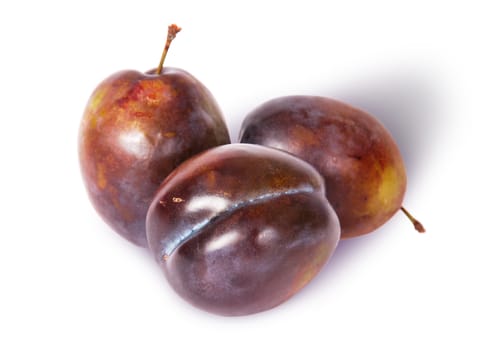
96	98
101	176
387	192
93	106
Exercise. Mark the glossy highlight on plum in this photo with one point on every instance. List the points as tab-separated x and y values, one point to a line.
357	156
137	128
250	226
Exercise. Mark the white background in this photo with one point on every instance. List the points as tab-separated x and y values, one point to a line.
69	282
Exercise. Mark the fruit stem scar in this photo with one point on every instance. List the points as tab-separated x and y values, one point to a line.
418	226
172	31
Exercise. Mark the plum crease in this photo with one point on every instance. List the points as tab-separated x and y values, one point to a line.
199	227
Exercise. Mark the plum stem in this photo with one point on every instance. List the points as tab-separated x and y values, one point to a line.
173	29
418	226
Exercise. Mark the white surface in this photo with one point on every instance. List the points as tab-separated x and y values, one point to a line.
69	282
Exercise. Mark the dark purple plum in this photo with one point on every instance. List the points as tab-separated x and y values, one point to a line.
239	229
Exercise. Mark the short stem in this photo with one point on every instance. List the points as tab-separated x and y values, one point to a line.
418	226
172	31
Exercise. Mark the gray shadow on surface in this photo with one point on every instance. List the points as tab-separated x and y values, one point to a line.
407	102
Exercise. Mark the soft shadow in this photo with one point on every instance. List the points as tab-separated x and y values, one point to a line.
408	102
343	257
346	249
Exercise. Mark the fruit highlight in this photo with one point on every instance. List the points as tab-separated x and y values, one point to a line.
236	228
356	155
239	229
136	129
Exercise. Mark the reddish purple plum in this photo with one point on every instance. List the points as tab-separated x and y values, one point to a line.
138	127
356	155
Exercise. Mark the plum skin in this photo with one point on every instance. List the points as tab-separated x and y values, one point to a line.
137	127
358	158
239	229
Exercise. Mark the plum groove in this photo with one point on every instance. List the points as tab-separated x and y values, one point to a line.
199	227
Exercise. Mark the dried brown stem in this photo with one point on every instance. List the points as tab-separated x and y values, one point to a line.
418	226
172	31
